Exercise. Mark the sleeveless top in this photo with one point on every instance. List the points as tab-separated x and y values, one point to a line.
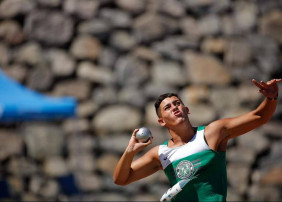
205	168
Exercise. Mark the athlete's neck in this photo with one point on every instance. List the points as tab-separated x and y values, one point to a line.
181	135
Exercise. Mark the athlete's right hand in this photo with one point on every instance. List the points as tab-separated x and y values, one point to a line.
134	145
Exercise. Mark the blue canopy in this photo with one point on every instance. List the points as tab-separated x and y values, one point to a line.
17	103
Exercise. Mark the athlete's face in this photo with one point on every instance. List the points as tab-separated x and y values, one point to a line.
172	112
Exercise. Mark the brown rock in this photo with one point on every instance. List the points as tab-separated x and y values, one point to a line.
85	47
271	25
85	9
273	176
107	163
11	32
80	89
10	143
205	69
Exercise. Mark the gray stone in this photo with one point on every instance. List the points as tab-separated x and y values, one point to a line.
149	27
62	64
265	7
201	114
43	139
153	90
80	89
80	143
88	182
271	25
11	144
273	129
234	112
104	95
122	41
105	160
259	192
81	162
194	94
254	140
189	26
30	53
86	108
173	8
85	47
55	166
238	52
209	25
273	158
238	176
107	58
233	195
234	155
49	27
84	9
205	69
167	50
12	8
116	118
50	3
114	142
17	72
145	197
245	15
97	27
228	25
4	55
88	71
117	18
132	6
133	96
171	47
11	32
40	78
224	99
46	188
168	73
247	93
130	71
111	197
151	117
22	167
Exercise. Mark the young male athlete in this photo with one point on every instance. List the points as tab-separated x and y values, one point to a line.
195	153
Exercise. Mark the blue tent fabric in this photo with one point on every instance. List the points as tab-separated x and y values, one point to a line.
18	103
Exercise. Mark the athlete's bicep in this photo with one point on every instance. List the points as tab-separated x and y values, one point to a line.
220	131
144	166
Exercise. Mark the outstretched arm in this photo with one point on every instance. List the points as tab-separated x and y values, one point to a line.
219	132
128	171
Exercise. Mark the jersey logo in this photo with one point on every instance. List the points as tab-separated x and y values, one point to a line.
185	169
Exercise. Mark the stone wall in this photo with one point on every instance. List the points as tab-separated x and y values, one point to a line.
116	57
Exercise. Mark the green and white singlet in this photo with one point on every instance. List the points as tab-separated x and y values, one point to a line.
196	161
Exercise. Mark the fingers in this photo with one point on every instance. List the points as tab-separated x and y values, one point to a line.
134	132
257	83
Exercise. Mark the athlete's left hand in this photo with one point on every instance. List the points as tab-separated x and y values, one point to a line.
268	89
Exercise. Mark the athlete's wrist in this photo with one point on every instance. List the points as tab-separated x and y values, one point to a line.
272	98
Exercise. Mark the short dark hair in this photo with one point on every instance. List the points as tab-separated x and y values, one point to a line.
161	98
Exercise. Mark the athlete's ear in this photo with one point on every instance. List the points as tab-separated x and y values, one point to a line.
161	122
187	110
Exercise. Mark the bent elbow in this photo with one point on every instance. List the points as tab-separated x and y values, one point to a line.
119	182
